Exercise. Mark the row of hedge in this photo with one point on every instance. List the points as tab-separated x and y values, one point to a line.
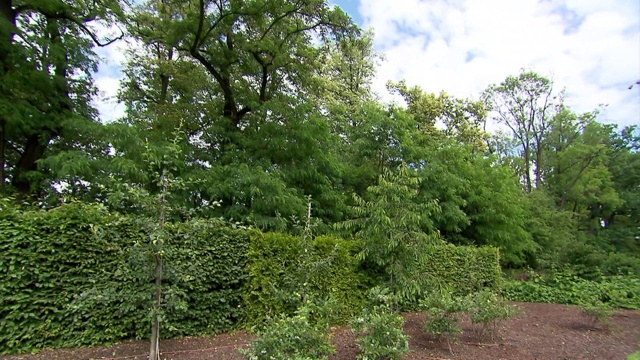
79	275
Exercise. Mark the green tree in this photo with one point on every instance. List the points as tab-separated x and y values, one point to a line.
45	83
393	228
526	104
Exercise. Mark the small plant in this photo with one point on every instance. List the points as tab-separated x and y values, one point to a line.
634	356
598	313
379	331
292	338
488	309
442	310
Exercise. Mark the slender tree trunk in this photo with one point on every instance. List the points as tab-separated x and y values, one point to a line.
154	348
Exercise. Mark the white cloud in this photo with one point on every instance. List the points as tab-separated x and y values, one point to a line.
591	48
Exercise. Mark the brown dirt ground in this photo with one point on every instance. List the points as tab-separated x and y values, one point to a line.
544	331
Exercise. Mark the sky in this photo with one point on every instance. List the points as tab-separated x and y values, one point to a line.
590	48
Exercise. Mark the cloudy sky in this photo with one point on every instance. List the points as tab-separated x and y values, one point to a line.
589	47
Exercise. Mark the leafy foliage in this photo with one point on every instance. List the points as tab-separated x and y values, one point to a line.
292	337
463	269
598	313
79	275
443	309
564	287
284	272
380	335
488	309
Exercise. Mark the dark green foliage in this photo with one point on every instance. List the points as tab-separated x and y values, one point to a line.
79	275
284	271
53	260
566	288
379	331
206	272
465	269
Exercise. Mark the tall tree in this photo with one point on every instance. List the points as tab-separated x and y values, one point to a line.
526	104
46	84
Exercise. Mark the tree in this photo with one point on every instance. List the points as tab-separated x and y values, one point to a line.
394	228
526	104
46	85
442	116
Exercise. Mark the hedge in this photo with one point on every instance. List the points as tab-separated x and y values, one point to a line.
283	271
465	269
78	275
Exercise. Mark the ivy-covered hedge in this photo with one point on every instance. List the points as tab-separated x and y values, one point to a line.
79	275
465	269
284	270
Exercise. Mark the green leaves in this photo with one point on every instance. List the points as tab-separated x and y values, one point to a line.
79	275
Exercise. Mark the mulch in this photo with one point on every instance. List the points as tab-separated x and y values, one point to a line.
543	332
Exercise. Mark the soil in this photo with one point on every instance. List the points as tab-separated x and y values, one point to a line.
544	331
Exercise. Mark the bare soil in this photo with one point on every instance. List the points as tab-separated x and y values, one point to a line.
544	331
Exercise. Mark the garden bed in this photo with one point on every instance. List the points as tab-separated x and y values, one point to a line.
544	331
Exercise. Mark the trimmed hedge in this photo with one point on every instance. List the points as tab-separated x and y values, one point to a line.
283	270
78	275
465	269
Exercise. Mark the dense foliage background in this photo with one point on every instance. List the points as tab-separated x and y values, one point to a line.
259	114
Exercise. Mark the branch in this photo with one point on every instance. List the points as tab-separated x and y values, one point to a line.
69	17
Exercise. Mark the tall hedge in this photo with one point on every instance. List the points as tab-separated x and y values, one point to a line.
79	275
465	269
283	270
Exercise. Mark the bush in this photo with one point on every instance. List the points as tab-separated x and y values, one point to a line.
598	313
488	309
291	338
563	287
443	308
634	356
379	332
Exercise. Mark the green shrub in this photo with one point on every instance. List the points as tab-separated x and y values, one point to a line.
598	313
563	287
634	356
443	309
291	338
379	332
380	335
488	309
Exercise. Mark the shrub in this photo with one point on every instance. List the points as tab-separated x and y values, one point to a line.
634	356
563	287
488	309
379	332
443	308
598	313
291	338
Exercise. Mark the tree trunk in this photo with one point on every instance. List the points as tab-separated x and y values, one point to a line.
154	350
